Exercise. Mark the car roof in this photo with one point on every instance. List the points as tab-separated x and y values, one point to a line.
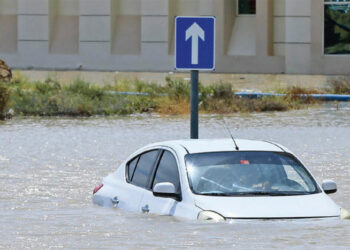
222	145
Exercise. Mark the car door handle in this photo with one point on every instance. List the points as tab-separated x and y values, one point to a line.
145	209
115	201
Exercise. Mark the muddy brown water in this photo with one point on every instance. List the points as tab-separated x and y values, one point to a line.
49	167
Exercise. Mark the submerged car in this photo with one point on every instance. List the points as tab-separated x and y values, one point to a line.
217	180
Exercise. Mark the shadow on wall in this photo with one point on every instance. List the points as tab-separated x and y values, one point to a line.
126	27
64	27
8	26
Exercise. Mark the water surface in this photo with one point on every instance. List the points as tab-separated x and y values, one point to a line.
49	167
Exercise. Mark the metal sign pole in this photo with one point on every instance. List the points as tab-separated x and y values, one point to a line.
194	51
194	104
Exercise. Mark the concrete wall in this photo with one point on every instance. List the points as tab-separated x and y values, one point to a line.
126	27
297	35
285	36
64	27
8	26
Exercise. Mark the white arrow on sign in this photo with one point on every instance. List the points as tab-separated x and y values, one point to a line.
195	31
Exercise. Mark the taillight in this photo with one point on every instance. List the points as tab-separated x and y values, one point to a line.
97	188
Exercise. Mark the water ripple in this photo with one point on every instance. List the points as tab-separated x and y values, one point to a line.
48	168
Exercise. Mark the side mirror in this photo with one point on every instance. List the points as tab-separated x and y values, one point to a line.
329	186
166	190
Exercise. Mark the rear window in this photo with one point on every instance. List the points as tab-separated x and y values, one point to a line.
131	168
144	168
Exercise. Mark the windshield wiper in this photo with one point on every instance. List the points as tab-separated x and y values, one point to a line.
263	193
216	194
290	193
240	194
256	193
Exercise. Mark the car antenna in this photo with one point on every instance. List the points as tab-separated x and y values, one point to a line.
233	139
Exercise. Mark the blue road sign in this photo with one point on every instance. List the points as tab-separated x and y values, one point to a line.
194	43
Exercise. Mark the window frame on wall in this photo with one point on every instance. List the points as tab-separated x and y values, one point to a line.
325	3
243	14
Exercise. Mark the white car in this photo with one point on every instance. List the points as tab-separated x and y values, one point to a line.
217	180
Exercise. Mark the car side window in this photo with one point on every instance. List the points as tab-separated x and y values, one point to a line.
144	168
168	171
131	168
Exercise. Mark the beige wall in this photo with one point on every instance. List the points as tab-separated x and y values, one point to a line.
64	27
285	36
8	26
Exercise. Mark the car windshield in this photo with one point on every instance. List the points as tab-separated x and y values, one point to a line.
248	173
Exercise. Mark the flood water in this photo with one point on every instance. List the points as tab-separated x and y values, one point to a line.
49	167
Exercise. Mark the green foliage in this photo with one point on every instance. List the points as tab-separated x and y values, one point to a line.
65	103
79	87
222	90
19	80
271	104
220	98
80	98
301	95
152	89
4	96
340	85
177	88
141	104
216	97
49	86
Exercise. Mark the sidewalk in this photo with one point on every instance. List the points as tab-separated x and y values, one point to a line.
241	82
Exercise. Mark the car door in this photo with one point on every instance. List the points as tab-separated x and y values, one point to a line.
166	171
137	174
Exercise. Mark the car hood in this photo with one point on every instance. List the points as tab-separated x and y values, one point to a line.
270	207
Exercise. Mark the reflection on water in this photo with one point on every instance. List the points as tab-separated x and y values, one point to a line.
49	167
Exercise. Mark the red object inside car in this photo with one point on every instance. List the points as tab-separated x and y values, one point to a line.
245	162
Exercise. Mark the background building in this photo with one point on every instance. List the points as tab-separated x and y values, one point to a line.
263	36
